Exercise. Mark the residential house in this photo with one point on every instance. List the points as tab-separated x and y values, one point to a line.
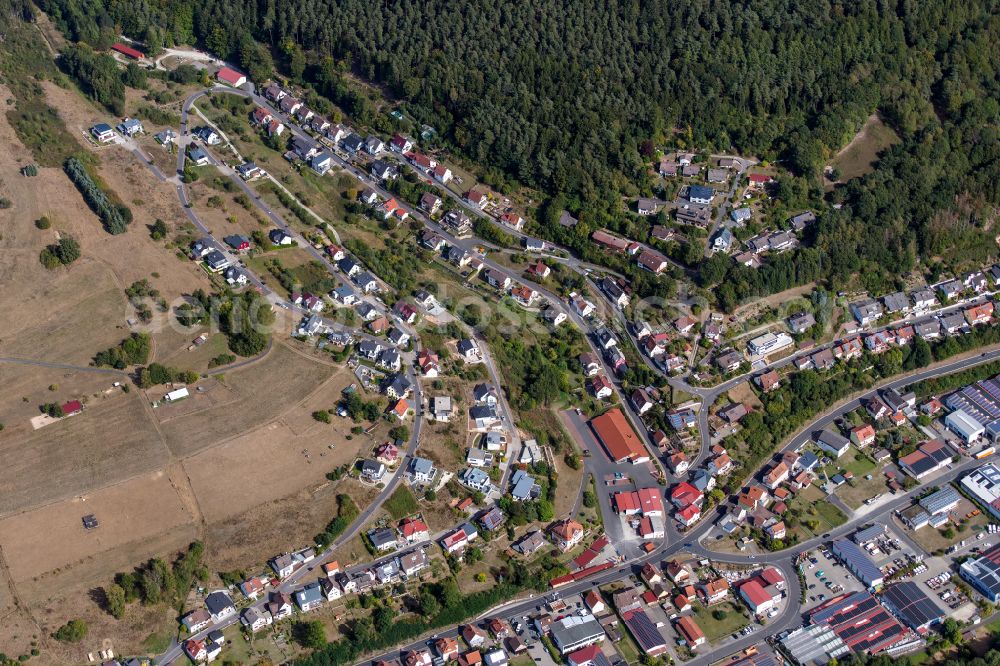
566	534
309	597
220	606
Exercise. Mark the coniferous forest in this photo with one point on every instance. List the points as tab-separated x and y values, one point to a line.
571	97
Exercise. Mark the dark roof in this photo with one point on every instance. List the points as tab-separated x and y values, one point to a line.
217	602
857	561
644	631
911	604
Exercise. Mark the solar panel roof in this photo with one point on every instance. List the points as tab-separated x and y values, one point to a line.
911	604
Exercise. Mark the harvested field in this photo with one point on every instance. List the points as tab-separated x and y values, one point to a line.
134	510
265	465
110	441
275	526
265	390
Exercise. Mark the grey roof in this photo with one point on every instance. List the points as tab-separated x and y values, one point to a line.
217	602
483	412
575	630
817	643
896	302
524	485
831	439
940	500
311	593
911	604
420	465
857	561
869	533
382	536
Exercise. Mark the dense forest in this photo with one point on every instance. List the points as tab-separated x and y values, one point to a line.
573	98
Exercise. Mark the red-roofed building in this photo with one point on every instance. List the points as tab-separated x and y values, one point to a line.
690	631
684	495
618	438
759	179
863	435
135	54
72	408
650	501
231	77
759	601
588	656
413	530
594	602
539	270
689	515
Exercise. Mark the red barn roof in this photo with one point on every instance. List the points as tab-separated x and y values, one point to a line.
127	50
230	76
72	407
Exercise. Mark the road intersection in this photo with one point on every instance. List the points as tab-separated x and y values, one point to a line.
674	542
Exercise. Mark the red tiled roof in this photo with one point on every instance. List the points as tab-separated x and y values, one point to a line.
618	437
127	50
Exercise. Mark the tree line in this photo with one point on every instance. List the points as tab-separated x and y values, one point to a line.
115	216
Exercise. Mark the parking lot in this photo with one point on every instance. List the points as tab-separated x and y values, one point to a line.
826	578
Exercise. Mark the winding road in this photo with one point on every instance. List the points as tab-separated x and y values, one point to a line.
674	542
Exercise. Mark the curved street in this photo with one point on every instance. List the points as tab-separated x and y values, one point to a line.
674	542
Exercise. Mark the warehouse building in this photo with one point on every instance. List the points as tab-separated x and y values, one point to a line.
646	634
929	457
576	631
618	438
858	563
868	534
983	573
861	622
909	603
816	644
983	484
963	425
940	501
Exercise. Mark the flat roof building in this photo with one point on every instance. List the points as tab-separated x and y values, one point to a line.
576	631
983	573
983	484
963	425
909	603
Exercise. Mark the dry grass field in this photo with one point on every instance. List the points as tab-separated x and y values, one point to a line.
110	441
240	466
134	510
265	390
859	156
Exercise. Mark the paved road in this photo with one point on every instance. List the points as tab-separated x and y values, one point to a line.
293	581
785	560
674	542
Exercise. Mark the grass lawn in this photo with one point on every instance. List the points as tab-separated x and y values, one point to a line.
626	648
933	540
401	503
858	156
157	642
854	493
811	505
716	629
857	463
